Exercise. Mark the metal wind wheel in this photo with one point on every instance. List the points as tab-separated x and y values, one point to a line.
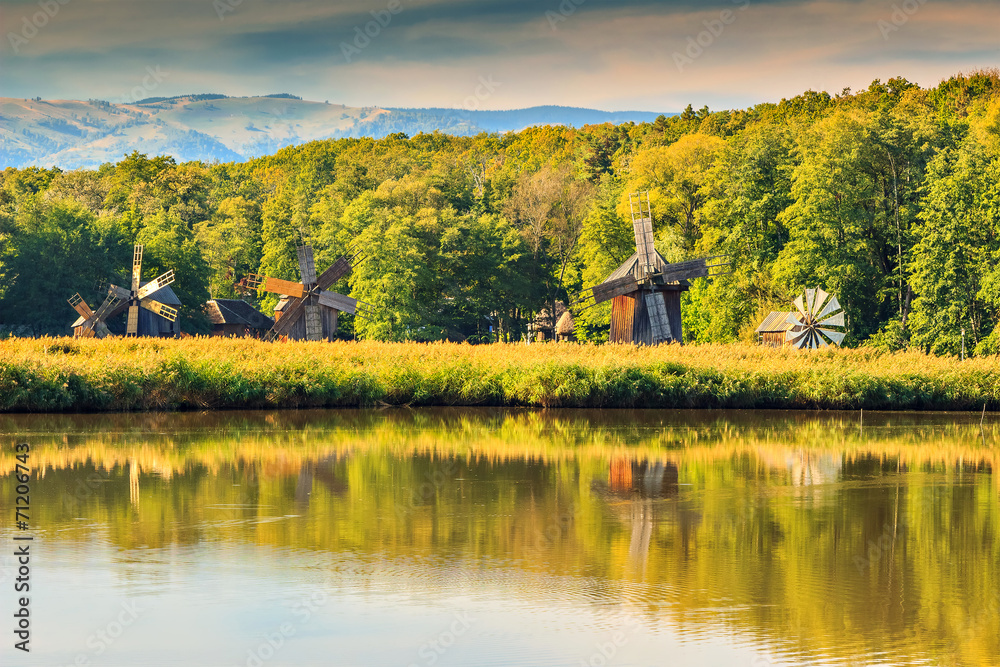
816	320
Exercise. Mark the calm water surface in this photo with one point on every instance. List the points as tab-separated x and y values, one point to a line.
458	537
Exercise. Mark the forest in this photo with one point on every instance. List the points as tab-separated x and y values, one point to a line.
888	197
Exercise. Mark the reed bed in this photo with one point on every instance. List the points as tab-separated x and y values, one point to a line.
67	375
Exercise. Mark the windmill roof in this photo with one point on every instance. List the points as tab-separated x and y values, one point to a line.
775	322
631	267
236	311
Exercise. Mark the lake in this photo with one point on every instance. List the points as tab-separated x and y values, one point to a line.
504	537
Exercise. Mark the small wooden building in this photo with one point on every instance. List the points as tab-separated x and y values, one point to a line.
630	321
235	318
772	330
149	323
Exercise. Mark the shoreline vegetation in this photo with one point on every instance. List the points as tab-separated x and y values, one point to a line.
129	375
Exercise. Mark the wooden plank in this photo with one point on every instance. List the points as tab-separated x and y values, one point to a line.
307	265
344	304
339	269
659	323
278	286
288	319
80	306
155	285
614	288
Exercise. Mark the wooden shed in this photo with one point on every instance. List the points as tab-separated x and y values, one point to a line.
235	318
772	330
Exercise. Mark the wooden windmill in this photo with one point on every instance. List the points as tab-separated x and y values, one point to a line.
646	289
138	296
311	310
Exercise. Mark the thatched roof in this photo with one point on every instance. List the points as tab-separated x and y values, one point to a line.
565	325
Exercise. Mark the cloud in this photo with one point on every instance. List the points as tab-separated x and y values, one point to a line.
599	53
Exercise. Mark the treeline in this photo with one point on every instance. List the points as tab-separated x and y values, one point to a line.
888	197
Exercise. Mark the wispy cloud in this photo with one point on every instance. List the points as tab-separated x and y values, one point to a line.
604	54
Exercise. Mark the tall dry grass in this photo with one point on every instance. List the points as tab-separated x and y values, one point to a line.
62	374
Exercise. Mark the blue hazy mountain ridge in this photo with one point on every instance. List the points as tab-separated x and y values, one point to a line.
85	134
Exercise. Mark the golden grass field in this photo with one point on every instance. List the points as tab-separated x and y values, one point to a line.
64	374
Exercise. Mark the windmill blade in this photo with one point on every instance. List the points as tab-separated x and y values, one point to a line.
136	267
800	307
80	306
705	267
161	309
339	269
831	307
797	338
810	297
156	285
307	265
791	319
835	336
833	321
658	320
289	318
133	321
104	310
344	304
642	226
609	289
275	285
120	292
314	325
820	299
101	330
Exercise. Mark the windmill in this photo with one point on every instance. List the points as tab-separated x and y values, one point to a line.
140	295
311	310
646	290
815	321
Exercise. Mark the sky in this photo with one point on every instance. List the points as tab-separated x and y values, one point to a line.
488	54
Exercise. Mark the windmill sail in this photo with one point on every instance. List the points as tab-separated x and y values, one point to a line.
812	326
642	227
658	319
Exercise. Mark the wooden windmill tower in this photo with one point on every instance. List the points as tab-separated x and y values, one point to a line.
140	296
646	289
311	310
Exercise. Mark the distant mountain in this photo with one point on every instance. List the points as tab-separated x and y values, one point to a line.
72	134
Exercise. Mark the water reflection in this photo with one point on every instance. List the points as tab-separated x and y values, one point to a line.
723	538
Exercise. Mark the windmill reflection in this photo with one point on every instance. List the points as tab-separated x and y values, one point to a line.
634	489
